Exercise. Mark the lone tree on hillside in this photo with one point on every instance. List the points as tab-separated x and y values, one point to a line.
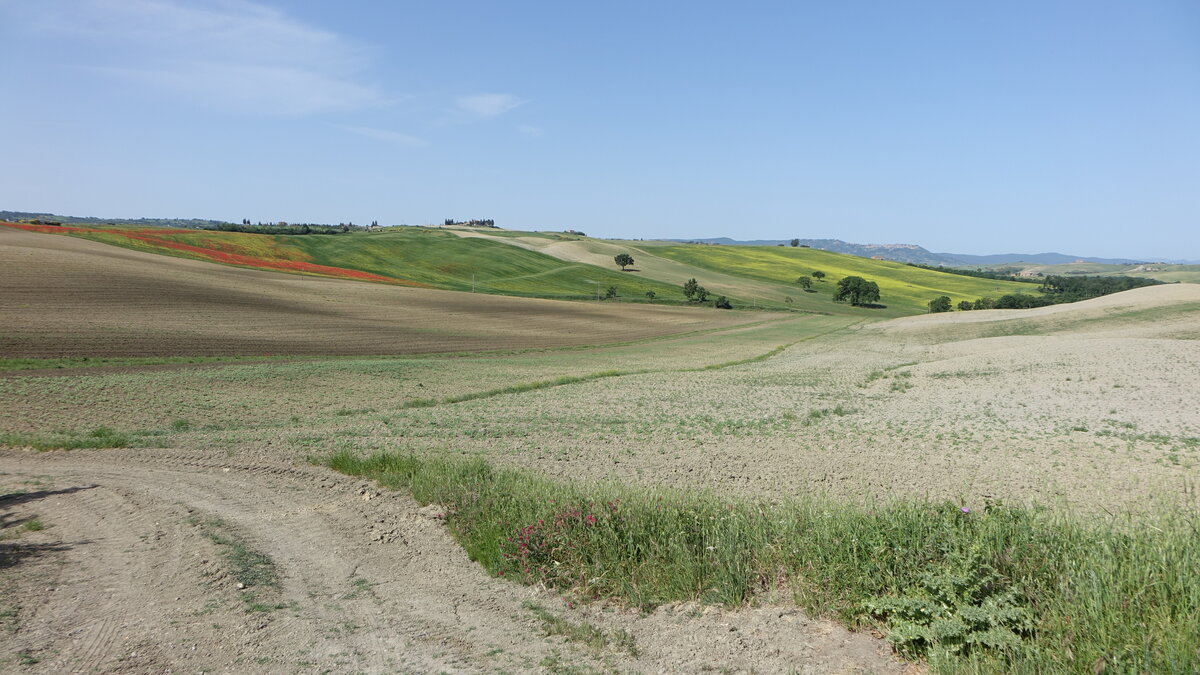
694	291
804	282
795	243
857	290
624	260
818	275
940	304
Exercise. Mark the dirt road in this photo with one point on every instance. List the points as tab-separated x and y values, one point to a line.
130	561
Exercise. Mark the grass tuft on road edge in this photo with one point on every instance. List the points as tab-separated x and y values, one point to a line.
983	587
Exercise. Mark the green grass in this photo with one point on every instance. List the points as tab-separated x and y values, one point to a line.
904	289
256	574
996	589
583	633
100	437
445	260
427	256
111	361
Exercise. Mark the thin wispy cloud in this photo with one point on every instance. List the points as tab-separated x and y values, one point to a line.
393	137
230	54
488	105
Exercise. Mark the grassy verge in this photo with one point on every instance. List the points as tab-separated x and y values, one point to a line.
255	573
583	633
985	587
100	437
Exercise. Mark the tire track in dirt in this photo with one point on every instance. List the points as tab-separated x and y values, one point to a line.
371	582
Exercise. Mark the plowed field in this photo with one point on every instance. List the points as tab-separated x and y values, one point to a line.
64	296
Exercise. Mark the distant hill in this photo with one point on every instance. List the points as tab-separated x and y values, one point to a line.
896	252
1039	258
193	223
916	254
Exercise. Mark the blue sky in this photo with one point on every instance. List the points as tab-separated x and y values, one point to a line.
961	126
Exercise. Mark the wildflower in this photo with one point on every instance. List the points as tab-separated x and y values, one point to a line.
965	510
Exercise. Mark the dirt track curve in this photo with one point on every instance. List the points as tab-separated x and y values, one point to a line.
126	577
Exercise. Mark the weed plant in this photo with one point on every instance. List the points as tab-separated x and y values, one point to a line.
974	588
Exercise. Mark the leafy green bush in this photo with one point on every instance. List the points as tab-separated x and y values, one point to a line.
960	606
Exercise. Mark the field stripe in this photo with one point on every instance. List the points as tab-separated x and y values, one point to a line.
576	379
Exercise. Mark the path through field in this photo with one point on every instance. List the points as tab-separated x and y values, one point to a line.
129	576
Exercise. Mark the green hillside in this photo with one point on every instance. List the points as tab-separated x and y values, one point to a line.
904	289
410	256
560	266
444	260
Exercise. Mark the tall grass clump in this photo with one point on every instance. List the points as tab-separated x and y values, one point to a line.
972	588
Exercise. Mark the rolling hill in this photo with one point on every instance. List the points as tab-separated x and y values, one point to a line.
556	266
68	297
420	257
904	289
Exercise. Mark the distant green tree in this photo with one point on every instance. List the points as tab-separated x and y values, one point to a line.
804	282
722	303
788	299
651	294
857	291
610	292
624	260
985	303
689	288
940	304
795	243
1021	301
818	275
966	306
694	291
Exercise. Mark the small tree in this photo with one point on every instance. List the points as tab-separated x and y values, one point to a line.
650	294
624	260
966	306
818	275
795	243
694	291
722	303
610	292
857	290
940	304
985	303
804	282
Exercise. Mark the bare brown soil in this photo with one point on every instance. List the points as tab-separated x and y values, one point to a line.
71	297
124	579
